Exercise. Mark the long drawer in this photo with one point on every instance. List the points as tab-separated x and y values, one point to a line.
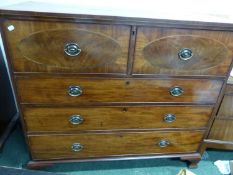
113	144
46	119
68	90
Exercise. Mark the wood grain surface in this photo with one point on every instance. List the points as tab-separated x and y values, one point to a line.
222	130
50	119
97	145
157	51
226	107
55	90
36	46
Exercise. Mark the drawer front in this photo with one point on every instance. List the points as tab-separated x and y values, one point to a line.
67	47
62	89
46	119
103	145
182	52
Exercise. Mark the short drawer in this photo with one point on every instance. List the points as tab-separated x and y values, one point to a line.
113	144
40	46
67	90
182	52
46	119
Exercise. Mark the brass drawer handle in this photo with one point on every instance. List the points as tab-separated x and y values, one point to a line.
185	54
72	49
176	91
76	119
163	143
76	147
169	118
75	91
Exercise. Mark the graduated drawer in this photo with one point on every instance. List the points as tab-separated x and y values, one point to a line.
113	144
182	51
40	46
67	90
39	119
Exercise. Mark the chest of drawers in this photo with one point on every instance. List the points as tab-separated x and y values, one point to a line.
108	88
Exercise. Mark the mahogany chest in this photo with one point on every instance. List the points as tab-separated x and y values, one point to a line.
106	88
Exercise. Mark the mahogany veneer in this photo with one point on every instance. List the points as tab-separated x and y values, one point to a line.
157	48
41	119
97	145
54	90
38	46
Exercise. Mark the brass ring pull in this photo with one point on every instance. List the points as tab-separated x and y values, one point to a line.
185	54
176	91
72	49
75	91
76	147
163	143
76	119
169	118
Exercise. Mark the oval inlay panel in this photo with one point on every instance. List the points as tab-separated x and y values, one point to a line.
207	52
47	47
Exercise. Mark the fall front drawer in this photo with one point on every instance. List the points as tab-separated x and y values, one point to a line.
113	144
68	90
39	46
46	119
